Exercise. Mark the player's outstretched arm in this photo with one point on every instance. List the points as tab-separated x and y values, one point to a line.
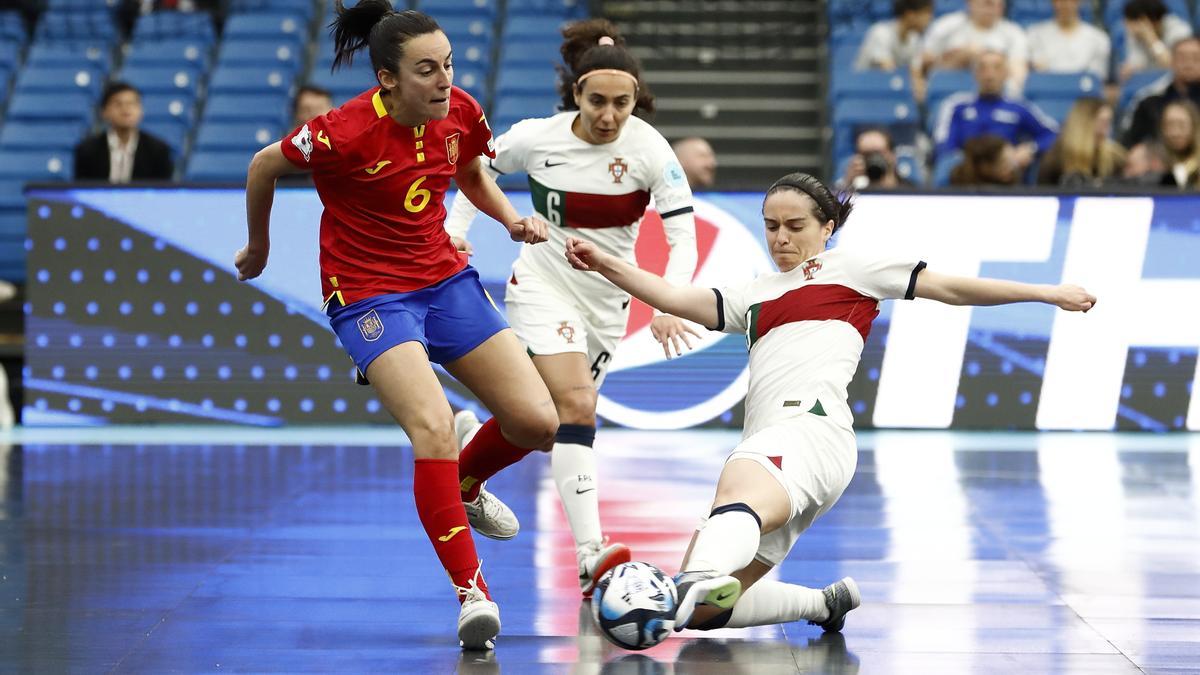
266	167
954	290
686	302
474	182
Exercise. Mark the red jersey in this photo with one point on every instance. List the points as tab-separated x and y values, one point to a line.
382	185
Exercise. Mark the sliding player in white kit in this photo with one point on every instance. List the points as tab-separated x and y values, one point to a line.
592	172
805	328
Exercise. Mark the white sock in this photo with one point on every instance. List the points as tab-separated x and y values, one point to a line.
725	544
769	602
574	470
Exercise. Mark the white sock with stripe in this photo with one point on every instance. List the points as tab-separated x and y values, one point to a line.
573	465
727	542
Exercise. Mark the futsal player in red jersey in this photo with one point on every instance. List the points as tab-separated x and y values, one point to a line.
398	294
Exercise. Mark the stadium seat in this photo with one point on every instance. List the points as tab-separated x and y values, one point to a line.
242	79
172	26
20	135
49	79
35	165
543	27
265	26
282	54
95	55
64	106
942	168
1055	107
12	197
161	79
12	27
60	26
941	7
10	53
299	9
171	131
535	81
92	6
1043	86
485	9
465	27
265	107
236	136
223	166
177	53
881	84
530	52
1150	80
473	79
566	9
943	83
847	34
175	107
345	83
852	114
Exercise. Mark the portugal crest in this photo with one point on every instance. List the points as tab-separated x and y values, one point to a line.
370	326
304	142
810	268
452	148
618	168
566	332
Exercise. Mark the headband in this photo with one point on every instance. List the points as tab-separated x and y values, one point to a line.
809	190
606	71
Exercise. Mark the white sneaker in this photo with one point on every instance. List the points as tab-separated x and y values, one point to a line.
703	588
491	517
465	426
596	559
478	619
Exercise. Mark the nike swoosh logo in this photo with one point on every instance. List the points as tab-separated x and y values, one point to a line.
579	492
724	596
548	164
378	167
453	531
324	139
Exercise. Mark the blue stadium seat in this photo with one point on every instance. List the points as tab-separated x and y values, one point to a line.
168	107
942	168
1142	80
19	135
471	78
516	108
848	34
38	80
841	62
236	136
64	106
223	166
96	55
536	81
268	107
846	11
530	52
73	26
170	131
567	9
299	9
943	83
457	27
345	83
242	79
470	50
1055	107
36	165
10	53
161	80
910	168
177	53
265	26
267	53
537	27
12	197
881	84
941	7
171	26
852	114
92	6
1042	86
12	27
473	8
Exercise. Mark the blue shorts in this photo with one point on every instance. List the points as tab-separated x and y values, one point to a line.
449	319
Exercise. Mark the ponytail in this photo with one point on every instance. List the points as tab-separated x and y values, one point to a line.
375	25
596	44
828	205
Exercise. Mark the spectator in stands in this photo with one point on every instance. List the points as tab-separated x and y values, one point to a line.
987	160
310	101
1084	153
1150	32
1184	85
873	165
896	43
1066	44
1145	164
1180	134
698	160
966	116
123	152
956	40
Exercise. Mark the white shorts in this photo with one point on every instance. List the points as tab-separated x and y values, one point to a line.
550	319
814	460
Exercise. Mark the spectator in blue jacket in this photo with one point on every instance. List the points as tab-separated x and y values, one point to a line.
965	116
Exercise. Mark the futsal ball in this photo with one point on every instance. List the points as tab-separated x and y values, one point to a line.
634	605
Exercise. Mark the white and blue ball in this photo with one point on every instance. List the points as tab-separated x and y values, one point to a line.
634	605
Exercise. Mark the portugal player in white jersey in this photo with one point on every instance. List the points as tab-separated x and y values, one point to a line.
592	172
805	328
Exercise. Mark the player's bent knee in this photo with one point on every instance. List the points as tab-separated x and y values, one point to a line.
578	408
535	429
433	439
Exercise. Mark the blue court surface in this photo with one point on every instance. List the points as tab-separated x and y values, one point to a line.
225	550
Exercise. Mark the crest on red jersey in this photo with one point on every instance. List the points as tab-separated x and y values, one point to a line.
618	168
452	148
810	268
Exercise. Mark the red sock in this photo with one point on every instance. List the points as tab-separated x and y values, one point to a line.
484	457
435	490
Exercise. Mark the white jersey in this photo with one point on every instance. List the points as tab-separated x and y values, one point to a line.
806	329
593	192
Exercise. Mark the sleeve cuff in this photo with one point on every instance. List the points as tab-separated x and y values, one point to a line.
720	311
912	281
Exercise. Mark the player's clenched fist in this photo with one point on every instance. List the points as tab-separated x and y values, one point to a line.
250	262
1073	298
530	229
583	255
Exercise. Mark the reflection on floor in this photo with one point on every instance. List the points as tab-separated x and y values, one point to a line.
158	550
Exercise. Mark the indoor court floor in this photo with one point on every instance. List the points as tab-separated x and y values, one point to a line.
218	550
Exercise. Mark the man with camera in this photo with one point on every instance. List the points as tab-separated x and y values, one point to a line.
873	165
